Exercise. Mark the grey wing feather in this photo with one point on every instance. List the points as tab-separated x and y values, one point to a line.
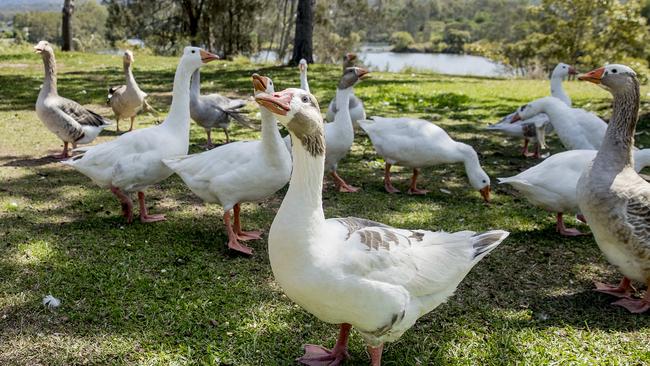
638	215
80	114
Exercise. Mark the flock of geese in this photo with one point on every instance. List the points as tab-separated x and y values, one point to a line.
351	271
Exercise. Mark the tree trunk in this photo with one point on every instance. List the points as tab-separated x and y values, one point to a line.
302	42
66	25
193	12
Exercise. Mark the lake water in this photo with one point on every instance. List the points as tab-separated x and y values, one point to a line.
379	58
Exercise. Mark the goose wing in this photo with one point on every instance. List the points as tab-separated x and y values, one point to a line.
80	114
423	262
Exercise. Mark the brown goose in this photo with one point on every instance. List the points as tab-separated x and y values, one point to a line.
67	119
127	100
613	197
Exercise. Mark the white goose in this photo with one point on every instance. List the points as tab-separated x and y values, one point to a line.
339	135
67	119
416	144
127	100
214	110
551	184
243	171
350	271
576	128
355	105
537	127
304	84
133	161
613	197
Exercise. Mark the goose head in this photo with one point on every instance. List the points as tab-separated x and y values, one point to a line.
262	84
531	109
128	57
562	70
611	77
302	65
349	59
44	48
298	111
195	57
351	76
480	181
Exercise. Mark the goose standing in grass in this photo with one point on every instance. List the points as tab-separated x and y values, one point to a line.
133	161
576	128
552	183
416	144
339	135
613	197
243	171
355	105
127	100
214	110
304	84
537	127
350	271
67	119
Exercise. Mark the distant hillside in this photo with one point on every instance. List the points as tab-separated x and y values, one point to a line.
19	6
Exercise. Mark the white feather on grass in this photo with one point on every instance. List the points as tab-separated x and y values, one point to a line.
51	302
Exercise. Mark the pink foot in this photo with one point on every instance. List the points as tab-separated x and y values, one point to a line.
127	212
417	191
348	188
152	218
624	289
635	306
390	189
571	232
320	356
238	247
249	235
528	154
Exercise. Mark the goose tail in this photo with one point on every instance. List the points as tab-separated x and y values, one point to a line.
484	243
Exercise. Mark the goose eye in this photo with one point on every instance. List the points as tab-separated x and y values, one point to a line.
305	99
613	71
484	181
193	51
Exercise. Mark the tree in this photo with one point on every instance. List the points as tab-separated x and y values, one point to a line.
193	10
66	25
302	41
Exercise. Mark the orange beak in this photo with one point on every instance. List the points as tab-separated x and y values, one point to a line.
515	118
259	83
38	49
485	193
207	56
593	76
362	73
351	56
302	67
277	103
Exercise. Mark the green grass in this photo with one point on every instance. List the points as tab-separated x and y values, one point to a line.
170	293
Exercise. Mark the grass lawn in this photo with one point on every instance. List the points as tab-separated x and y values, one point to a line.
170	293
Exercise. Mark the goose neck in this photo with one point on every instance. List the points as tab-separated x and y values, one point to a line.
304	84
557	90
195	86
616	150
179	111
342	102
49	83
271	138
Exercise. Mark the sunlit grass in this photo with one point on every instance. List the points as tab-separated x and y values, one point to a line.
170	293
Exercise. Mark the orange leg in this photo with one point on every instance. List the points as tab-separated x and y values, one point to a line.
318	355
563	230
343	186
125	201
233	243
144	214
64	154
375	355
244	235
388	185
413	189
